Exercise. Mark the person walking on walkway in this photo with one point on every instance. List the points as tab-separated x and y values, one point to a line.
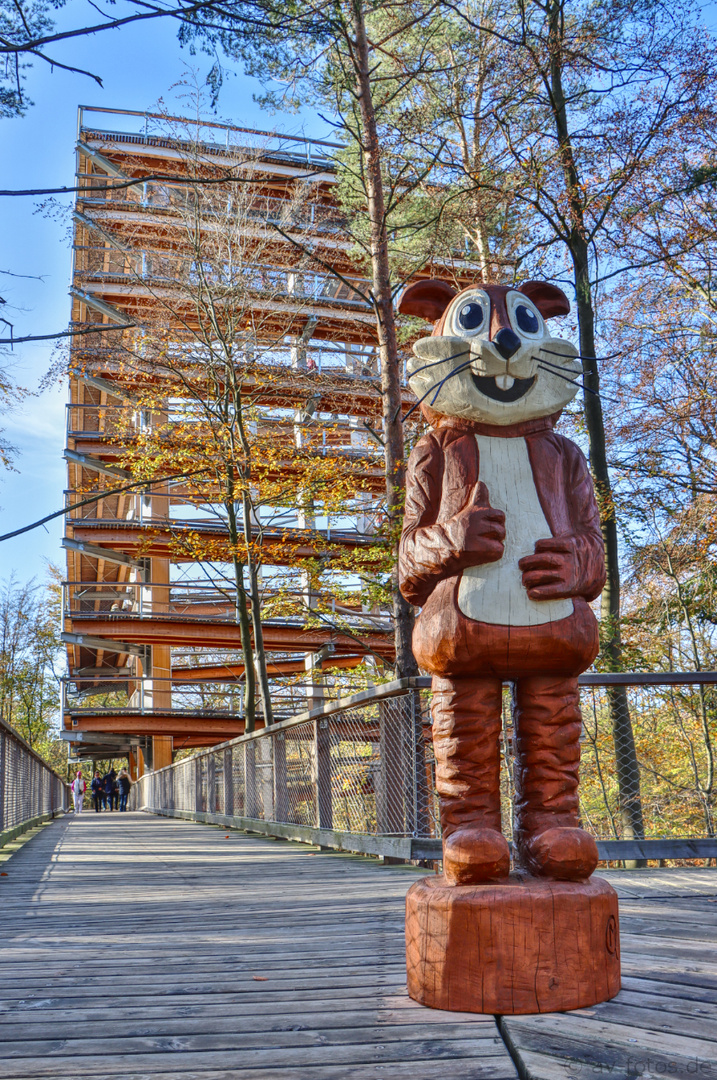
78	791
108	782
98	795
125	785
114	797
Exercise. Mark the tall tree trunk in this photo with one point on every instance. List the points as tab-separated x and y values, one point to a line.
257	657
628	773
386	329
241	614
255	600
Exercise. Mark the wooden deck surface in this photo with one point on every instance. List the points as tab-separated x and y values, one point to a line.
137	947
663	1023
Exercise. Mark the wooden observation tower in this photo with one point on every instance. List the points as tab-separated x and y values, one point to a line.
153	643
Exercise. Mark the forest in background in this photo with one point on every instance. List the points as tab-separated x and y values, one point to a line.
31	663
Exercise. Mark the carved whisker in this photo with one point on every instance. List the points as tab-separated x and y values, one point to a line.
456	371
568	379
436	388
434	363
579	356
557	367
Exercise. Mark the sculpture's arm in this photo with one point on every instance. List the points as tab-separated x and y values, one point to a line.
573	564
588	532
429	551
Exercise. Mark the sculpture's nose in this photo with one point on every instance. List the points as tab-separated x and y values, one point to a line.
506	342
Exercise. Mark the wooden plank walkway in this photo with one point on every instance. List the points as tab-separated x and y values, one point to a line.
134	947
663	1023
138	947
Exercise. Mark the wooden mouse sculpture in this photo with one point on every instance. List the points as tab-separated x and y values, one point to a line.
502	550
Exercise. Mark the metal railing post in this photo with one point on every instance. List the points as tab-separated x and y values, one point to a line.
324	797
228	782
3	784
211	784
198	805
281	800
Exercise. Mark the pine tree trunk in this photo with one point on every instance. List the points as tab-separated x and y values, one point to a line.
628	773
386	329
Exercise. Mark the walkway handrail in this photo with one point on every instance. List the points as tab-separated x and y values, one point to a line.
357	774
30	790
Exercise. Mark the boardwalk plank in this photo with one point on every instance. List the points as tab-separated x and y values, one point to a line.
663	1023
136	946
281	1036
212	1023
241	1060
459	1069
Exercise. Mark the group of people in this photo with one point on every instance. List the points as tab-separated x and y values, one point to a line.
109	792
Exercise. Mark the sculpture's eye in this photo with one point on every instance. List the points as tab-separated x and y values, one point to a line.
526	319
470	316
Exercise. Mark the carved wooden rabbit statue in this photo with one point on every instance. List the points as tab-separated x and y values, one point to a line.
502	550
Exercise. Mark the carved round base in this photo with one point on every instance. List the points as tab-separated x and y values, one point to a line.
523	945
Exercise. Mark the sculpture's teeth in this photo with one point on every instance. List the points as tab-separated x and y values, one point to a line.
504	382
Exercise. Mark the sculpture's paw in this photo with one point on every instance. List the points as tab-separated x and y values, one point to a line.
472	854
561	853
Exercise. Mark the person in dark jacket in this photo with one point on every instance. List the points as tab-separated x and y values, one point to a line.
108	783
98	794
125	785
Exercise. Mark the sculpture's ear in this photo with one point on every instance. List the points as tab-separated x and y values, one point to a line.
549	299
427	299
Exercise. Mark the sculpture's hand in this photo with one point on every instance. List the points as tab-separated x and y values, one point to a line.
478	531
552	573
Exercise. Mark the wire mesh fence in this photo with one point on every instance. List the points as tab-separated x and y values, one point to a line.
28	786
363	768
646	758
647	762
366	766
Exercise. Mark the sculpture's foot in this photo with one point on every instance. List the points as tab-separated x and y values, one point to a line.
473	854
563	854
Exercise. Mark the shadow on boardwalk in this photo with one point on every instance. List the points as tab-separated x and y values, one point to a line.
140	947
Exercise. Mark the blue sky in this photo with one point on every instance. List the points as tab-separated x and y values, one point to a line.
138	64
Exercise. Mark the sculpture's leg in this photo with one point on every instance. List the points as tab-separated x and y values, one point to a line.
547	731
466	729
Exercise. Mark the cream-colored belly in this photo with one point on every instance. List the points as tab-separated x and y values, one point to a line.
494	592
